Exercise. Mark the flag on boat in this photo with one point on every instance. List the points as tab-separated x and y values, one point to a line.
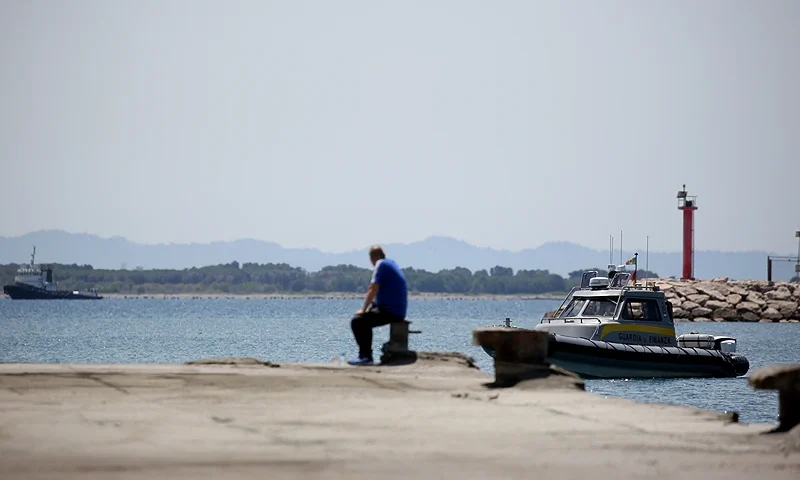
632	261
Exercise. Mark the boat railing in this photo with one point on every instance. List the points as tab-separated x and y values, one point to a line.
650	288
632	288
29	271
572	320
567	298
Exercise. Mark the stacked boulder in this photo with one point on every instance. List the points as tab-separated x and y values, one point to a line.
721	300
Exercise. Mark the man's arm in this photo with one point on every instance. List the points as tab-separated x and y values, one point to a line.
371	292
374	286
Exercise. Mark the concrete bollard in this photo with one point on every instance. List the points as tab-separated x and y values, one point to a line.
785	379
519	354
396	349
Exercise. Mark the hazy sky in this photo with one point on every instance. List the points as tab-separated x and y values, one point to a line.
337	124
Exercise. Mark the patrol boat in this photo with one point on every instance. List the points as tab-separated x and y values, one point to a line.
33	282
609	329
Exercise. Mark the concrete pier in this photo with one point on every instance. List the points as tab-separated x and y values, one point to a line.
434	418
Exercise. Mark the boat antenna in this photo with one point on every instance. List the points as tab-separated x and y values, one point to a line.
33	256
620	246
611	249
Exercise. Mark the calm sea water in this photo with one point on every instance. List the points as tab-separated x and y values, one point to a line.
318	330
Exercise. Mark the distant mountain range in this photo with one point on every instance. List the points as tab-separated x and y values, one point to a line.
432	254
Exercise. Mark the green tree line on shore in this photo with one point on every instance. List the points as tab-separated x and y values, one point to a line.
252	278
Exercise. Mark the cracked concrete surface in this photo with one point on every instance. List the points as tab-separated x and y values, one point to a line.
431	419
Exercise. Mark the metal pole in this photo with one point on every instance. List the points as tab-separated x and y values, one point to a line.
769	269
797	266
797	234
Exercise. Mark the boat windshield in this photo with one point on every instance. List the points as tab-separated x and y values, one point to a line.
573	309
600	307
594	307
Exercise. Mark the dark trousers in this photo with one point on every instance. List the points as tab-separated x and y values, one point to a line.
363	324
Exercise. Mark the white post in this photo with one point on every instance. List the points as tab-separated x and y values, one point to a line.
797	267
646	259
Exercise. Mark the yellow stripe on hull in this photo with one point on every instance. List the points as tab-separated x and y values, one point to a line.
621	327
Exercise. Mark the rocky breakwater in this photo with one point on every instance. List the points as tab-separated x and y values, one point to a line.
721	300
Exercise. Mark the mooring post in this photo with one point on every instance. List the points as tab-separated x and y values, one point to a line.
397	346
398	335
519	353
784	378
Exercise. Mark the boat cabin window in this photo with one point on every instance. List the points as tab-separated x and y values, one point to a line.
600	307
573	309
641	309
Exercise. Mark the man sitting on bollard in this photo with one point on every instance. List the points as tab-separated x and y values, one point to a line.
385	302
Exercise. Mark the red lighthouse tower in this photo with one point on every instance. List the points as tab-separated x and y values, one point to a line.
688	204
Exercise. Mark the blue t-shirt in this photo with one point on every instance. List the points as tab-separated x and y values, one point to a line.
393	293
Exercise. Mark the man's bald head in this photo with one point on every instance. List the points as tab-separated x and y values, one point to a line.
376	253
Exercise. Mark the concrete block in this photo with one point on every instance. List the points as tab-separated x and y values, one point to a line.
785	378
519	354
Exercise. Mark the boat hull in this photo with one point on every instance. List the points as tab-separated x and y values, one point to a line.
598	359
27	292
